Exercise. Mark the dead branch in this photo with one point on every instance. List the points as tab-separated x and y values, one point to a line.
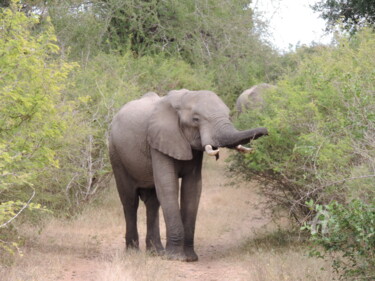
20	211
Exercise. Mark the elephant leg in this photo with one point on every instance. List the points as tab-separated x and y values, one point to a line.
130	201
153	242
130	211
191	188
167	189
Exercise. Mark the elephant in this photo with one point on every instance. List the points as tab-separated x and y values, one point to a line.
252	98
155	141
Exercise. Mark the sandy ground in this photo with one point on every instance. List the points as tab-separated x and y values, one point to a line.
230	241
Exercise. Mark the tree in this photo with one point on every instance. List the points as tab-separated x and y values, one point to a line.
353	14
220	36
4	3
32	78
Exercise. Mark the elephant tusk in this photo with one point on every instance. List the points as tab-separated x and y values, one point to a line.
244	149
210	151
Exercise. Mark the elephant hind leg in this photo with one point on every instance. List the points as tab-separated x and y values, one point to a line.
153	242
130	201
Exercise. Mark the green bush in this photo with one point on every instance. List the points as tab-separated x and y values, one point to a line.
321	122
346	233
321	149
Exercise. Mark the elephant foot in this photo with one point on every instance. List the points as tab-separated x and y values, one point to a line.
133	245
190	254
175	257
175	254
155	248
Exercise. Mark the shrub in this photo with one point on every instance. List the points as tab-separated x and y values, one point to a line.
321	121
346	233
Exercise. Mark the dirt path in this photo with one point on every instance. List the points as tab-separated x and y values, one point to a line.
91	247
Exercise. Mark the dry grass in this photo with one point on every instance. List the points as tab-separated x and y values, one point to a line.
234	240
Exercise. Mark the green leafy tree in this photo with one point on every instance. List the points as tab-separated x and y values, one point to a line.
4	3
32	78
352	14
219	35
80	27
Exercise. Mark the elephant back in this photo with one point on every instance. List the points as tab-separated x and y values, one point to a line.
252	98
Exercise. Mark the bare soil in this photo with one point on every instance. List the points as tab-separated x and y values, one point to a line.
231	241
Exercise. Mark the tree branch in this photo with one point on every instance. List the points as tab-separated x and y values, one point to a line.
20	211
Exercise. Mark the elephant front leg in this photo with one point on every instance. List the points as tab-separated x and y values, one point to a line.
191	188
167	189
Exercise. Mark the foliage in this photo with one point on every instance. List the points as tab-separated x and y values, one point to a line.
321	126
32	78
217	36
80	27
346	233
194	29
352	14
4	3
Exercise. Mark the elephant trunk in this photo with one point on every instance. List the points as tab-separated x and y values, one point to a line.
230	137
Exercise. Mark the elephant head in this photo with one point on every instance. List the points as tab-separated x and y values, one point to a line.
198	120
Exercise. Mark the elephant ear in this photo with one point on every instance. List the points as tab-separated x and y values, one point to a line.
164	132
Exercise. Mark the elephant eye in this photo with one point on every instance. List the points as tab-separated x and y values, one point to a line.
195	119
